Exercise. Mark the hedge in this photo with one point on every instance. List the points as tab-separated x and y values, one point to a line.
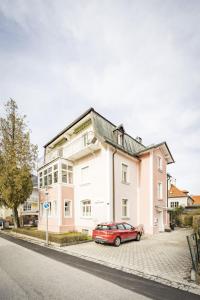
60	238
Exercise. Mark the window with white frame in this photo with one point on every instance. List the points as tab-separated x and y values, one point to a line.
174	204
67	173
64	173
120	138
45	177
159	161
67	208
27	206
55	173
124	208
86	208
124	173
160	190
70	174
49	172
85	174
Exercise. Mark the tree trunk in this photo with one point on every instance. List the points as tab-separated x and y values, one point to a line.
16	218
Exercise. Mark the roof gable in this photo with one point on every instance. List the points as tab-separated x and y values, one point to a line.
175	192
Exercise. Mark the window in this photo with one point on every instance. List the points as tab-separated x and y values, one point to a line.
160	194
70	174
55	173
120	226
124	173
174	204
128	226
124	208
120	138
85	175
159	163
67	173
40	180
49	171
64	173
27	206
86	208
67	208
45	177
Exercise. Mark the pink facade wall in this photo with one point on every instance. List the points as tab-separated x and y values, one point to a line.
146	209
126	190
160	205
57	222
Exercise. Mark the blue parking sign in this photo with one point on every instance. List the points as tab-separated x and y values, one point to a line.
46	205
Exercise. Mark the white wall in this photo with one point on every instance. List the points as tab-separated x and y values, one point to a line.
181	200
97	189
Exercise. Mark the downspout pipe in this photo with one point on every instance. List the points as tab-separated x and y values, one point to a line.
113	179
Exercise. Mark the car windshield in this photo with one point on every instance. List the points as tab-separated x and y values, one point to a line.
105	227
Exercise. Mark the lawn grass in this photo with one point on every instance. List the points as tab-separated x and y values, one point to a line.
60	238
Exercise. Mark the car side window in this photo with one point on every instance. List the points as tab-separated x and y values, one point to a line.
128	226
120	227
113	227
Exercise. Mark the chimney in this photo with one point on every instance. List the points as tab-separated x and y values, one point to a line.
139	139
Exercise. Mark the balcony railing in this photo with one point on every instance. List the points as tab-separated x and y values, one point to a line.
75	149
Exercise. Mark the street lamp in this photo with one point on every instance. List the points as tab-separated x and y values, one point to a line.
46	206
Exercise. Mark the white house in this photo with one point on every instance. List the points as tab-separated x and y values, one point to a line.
93	171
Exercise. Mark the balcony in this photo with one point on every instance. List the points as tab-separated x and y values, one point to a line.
75	149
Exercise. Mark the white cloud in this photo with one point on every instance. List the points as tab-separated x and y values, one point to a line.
136	62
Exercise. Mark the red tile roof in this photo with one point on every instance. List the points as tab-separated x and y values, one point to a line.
175	192
196	199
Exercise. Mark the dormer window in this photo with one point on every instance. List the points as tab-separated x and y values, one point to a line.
120	139
119	132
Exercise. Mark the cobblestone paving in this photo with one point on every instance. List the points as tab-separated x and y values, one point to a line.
164	257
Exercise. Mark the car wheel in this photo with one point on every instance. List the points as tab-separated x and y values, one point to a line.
138	237
117	242
96	242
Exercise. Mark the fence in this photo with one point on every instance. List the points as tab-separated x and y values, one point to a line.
194	247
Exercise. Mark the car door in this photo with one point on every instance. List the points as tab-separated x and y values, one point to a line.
131	232
123	233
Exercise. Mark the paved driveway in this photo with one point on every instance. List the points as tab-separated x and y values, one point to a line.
164	256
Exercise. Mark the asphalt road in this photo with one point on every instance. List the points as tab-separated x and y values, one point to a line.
30	271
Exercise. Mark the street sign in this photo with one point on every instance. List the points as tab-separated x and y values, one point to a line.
46	205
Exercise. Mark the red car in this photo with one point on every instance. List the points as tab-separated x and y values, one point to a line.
115	233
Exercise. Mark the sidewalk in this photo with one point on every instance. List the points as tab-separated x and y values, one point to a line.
164	257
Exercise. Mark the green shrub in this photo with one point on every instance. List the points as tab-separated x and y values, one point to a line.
60	238
196	223
186	220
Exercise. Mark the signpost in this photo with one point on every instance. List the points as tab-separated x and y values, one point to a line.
46	207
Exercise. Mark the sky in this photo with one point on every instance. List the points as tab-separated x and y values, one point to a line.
135	62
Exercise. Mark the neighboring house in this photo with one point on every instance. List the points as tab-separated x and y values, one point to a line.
94	172
196	200
177	197
27	211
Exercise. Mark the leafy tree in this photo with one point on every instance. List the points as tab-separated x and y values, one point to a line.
17	160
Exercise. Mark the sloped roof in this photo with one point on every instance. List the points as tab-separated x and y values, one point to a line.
196	199
106	131
175	192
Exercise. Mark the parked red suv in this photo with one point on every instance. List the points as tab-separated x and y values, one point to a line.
115	233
